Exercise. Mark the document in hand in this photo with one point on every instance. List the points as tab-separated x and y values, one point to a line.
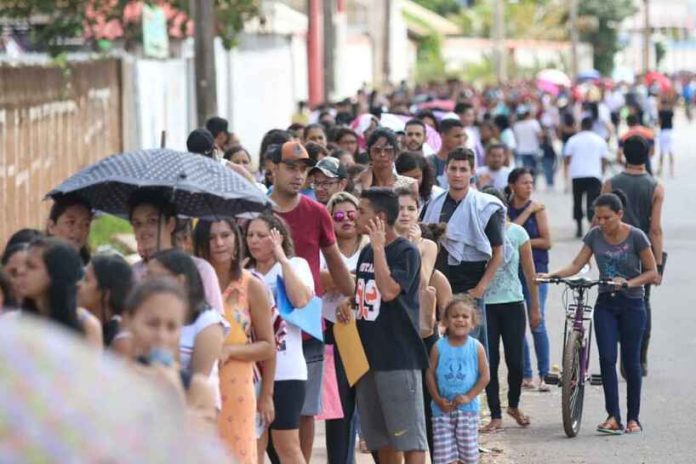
307	318
351	350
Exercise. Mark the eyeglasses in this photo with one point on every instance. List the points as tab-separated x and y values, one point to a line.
382	151
324	184
340	216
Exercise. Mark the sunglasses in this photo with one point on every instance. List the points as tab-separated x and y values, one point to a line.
340	216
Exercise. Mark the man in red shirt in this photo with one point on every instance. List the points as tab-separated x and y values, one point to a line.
312	232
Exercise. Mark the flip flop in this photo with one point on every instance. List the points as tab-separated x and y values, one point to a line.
608	430
520	418
490	428
636	428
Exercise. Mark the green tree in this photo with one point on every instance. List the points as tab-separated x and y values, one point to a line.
604	36
442	7
68	19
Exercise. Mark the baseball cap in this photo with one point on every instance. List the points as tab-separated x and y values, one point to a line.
290	152
330	167
200	141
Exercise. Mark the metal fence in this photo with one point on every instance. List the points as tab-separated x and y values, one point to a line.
53	121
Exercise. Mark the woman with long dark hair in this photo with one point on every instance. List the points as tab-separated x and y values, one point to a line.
272	255
623	255
250	340
415	166
531	214
103	291
204	330
49	286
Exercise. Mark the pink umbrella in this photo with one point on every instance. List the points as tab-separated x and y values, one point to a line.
444	105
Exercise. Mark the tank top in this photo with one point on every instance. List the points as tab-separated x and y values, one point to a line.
639	190
541	257
457	372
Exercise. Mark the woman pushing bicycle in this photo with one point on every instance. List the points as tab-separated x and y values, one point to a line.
623	254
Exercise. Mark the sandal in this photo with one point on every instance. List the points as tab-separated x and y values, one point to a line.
633	426
520	418
610	427
543	386
528	384
495	425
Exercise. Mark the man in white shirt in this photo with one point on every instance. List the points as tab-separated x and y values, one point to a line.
528	135
494	173
586	156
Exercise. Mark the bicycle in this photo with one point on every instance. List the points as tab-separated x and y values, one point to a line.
577	340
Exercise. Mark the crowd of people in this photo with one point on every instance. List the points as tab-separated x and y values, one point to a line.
427	236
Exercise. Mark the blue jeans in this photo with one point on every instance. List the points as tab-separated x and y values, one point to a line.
619	319
530	160
549	165
540	336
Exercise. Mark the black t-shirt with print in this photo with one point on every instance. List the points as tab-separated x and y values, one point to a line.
389	329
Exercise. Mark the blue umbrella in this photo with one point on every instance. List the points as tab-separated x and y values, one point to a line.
200	187
589	75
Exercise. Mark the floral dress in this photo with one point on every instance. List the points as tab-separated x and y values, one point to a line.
237	419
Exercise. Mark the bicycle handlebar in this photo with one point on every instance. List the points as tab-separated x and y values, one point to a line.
580	282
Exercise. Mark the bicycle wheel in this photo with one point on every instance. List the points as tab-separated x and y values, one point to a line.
573	391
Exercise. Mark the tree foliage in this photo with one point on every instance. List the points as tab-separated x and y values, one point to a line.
442	7
65	20
604	38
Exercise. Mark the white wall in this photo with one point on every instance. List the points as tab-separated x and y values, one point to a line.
260	83
258	86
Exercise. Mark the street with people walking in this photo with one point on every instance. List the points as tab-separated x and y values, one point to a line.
296	231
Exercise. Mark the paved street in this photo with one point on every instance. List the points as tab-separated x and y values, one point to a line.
668	405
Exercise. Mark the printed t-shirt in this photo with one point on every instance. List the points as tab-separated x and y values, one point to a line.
330	300
290	361
620	260
389	329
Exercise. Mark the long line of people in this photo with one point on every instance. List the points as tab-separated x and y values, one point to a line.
433	254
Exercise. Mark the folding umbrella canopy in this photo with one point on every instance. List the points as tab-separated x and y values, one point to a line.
200	187
553	76
654	77
60	401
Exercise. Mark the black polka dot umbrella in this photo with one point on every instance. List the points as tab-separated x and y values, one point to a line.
200	187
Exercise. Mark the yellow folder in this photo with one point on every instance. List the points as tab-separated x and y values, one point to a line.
351	350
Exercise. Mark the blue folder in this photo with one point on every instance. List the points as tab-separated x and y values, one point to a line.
308	318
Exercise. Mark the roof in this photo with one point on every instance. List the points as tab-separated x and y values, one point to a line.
422	21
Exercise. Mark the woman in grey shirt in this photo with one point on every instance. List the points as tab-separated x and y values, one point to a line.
623	254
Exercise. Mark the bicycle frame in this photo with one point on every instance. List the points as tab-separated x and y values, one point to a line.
577	313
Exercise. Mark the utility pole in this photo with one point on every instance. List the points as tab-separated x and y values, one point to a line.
329	49
386	65
315	56
500	49
646	36
574	38
204	60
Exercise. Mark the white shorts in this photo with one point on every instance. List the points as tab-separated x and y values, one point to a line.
665	140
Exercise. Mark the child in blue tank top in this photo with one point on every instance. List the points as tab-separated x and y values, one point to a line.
458	372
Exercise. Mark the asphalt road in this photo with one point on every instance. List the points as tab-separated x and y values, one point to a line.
668	406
